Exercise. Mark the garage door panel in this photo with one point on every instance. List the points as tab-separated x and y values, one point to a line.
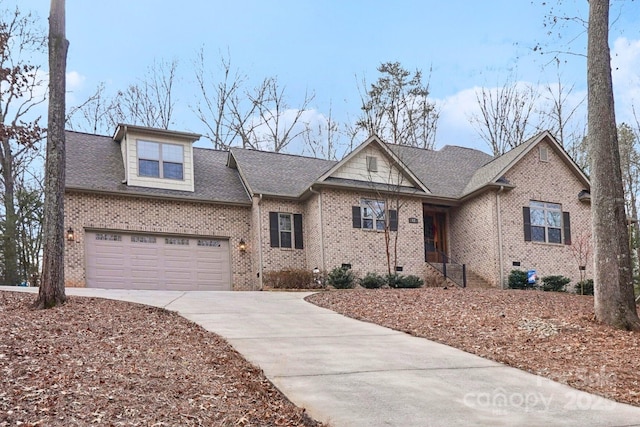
156	262
141	273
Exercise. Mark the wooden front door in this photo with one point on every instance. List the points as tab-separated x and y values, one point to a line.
435	235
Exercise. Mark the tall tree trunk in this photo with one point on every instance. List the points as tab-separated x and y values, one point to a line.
10	223
614	299
52	287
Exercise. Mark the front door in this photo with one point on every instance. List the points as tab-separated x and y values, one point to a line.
435	235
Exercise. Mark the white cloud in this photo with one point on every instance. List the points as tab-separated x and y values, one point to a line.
456	111
75	81
625	66
454	126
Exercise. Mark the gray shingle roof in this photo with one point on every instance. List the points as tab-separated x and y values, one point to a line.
279	174
94	163
445	172
491	170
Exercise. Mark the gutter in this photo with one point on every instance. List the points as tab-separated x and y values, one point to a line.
261	282
500	242
322	257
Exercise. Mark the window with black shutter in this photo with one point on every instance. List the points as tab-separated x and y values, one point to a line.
372	215
546	222
285	230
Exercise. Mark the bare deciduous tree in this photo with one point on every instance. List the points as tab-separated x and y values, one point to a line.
150	102
562	117
504	121
216	100
277	123
19	87
614	301
30	211
51	291
630	166
397	108
258	118
93	115
323	141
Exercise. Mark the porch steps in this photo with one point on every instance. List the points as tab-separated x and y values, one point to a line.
454	271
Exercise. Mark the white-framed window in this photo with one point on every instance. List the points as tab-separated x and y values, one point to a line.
160	160
546	222
373	214
285	229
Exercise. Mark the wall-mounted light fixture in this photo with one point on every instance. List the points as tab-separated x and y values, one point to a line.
242	246
70	235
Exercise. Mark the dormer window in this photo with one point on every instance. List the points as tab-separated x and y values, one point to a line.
159	160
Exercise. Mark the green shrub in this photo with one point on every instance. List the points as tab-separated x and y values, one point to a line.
372	281
290	279
518	279
555	283
585	287
411	281
341	278
393	280
399	281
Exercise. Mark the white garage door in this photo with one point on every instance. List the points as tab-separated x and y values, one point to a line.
141	261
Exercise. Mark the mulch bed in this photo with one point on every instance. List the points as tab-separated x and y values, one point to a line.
103	362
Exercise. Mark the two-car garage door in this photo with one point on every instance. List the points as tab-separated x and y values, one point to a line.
141	261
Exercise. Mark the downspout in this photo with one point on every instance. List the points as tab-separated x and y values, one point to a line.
260	243
323	267
499	219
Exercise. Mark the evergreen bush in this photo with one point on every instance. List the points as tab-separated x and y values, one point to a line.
584	287
399	281
518	279
372	281
341	278
555	283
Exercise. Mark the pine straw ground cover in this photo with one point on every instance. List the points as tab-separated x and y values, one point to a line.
547	333
102	362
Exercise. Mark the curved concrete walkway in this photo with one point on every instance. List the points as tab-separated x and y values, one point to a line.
351	373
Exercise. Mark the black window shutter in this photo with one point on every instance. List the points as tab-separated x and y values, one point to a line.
393	220
357	219
526	216
566	224
273	230
297	230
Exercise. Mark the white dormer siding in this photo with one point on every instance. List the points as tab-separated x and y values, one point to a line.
360	168
166	157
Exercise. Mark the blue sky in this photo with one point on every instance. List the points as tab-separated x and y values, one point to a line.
324	46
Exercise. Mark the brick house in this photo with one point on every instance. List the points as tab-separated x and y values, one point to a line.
144	209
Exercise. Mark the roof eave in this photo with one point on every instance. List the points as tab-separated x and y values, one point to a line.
154	196
500	186
231	160
123	128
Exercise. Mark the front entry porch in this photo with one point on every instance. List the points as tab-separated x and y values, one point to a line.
435	233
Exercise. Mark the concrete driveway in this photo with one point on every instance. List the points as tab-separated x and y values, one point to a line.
351	373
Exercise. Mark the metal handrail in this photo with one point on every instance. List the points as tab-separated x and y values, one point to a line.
446	259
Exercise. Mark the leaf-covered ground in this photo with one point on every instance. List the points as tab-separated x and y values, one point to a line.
551	334
102	362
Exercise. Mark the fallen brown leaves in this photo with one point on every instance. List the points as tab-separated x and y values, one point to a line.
104	362
546	333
